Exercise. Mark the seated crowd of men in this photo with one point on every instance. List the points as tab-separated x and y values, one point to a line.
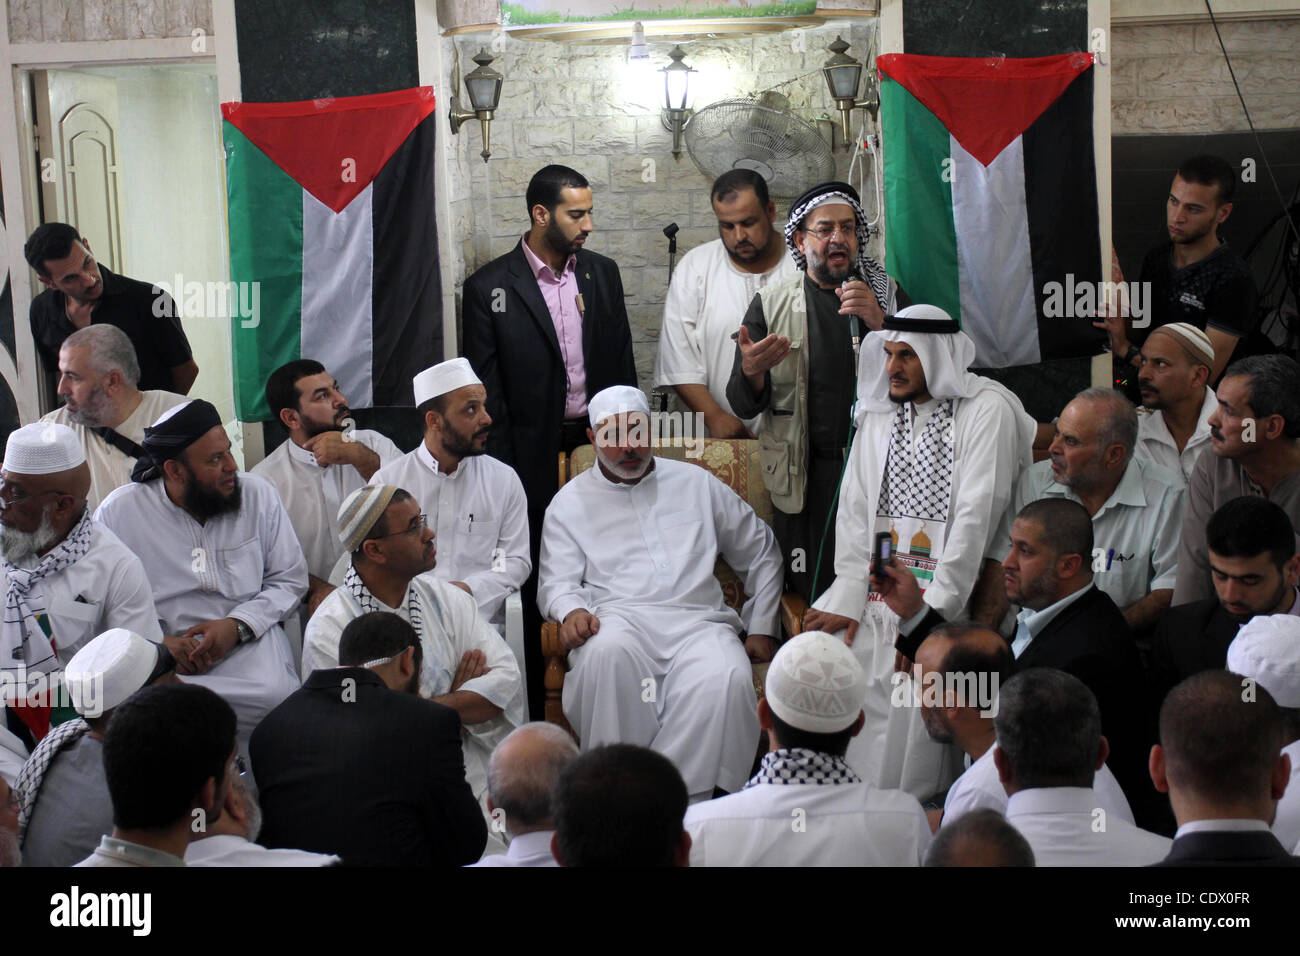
1089	660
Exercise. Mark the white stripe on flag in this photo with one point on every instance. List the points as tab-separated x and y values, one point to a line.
337	292
994	270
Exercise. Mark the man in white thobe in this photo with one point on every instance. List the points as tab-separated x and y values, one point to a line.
937	453
98	374
1267	651
67	578
221	555
466	666
708	295
628	550
806	806
1174	422
475	504
1049	747
319	464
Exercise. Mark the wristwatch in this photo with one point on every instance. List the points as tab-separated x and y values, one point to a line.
243	630
1133	354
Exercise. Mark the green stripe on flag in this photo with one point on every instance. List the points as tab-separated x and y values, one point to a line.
920	240
265	207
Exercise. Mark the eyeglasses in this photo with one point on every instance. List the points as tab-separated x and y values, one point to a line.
6	493
825	231
421	522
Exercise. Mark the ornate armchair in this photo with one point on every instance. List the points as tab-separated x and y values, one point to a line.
735	462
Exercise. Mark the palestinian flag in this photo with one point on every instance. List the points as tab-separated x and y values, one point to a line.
332	216
991	196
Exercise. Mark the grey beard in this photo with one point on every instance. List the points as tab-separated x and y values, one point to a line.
94	411
18	547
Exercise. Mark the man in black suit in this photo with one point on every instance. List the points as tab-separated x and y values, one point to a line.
1255	568
1219	759
357	764
545	328
1067	623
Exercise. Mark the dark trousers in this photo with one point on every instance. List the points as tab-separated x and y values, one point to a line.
802	536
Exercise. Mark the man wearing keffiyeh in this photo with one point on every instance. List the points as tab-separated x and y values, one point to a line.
936	456
806	806
465	664
794	363
66	579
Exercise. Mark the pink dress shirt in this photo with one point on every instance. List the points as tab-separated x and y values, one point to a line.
561	296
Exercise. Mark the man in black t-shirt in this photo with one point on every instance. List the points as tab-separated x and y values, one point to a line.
1195	277
80	291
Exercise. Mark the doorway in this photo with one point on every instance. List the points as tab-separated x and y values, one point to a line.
138	167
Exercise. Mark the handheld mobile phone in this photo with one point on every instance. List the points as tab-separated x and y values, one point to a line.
884	552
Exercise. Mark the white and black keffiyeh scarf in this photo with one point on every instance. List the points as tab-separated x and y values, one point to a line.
369	603
24	645
28	785
872	272
800	765
920	485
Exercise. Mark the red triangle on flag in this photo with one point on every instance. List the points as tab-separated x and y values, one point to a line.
984	103
333	147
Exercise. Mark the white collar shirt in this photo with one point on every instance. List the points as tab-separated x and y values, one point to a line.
227	849
980	788
312	494
808	824
1067	826
1222	826
1155	444
527	849
113	852
479	517
1135	532
1030	623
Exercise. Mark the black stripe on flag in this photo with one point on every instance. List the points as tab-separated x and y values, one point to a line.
407	310
1061	195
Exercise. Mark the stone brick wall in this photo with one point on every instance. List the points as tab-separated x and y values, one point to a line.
1172	78
35	21
568	103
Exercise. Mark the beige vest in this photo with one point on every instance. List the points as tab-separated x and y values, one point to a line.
783	431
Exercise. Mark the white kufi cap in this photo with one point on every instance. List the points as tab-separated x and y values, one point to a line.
108	670
814	683
43	448
443	378
616	400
